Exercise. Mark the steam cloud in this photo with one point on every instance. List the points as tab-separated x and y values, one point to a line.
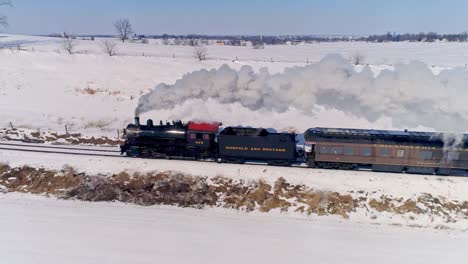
410	94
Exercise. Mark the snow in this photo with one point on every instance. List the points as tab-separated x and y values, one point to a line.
89	150
43	230
44	89
441	54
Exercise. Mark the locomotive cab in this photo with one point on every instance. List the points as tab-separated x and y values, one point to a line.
201	138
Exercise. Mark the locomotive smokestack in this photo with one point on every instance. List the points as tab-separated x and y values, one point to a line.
137	120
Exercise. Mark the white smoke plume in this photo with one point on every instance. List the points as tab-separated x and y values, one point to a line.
452	144
411	95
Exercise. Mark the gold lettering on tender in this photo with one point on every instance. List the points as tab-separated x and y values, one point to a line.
255	149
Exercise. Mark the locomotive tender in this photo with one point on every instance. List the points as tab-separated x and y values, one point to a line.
240	144
329	148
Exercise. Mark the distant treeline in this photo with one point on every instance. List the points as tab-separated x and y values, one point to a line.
236	40
420	37
295	39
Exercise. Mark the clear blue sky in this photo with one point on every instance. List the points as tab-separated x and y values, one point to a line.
239	16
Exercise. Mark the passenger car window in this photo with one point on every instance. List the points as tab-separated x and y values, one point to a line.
385	152
349	151
324	150
365	151
425	155
452	155
400	153
337	150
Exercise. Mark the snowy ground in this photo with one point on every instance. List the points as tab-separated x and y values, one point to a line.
42	88
374	53
41	230
425	193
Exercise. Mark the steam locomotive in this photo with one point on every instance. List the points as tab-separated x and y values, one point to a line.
176	139
329	148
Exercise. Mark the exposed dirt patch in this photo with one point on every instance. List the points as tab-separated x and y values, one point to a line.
32	180
149	189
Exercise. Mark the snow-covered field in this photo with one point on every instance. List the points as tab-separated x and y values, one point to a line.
43	89
48	231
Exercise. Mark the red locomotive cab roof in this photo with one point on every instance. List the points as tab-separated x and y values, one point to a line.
203	126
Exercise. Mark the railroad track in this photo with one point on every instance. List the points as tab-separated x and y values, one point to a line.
59	149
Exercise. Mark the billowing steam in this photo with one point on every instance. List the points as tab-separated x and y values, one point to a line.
411	95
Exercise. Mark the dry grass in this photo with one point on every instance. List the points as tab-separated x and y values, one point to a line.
148	189
38	181
93	91
89	91
59	138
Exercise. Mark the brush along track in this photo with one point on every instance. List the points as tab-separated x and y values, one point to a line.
59	150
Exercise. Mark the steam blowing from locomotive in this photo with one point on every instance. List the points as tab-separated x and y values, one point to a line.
411	95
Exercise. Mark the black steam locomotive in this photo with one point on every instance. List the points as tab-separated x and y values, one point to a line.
176	139
202	141
330	148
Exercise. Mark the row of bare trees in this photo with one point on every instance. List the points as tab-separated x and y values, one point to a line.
123	27
110	48
69	44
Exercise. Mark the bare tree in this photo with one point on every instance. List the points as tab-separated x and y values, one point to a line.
123	28
165	41
258	45
18	46
200	52
177	41
192	42
3	19
357	58
69	44
109	47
